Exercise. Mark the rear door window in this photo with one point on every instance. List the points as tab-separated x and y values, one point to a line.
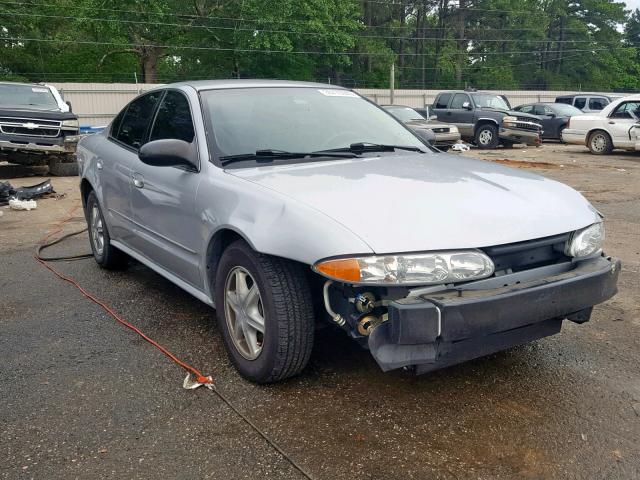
443	100
580	102
597	103
173	120
627	110
458	100
135	122
567	100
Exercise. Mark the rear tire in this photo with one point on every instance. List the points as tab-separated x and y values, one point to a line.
600	143
105	254
487	136
268	333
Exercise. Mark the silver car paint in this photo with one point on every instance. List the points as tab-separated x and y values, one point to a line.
307	212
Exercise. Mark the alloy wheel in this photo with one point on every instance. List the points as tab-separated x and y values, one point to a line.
244	313
97	230
599	142
485	137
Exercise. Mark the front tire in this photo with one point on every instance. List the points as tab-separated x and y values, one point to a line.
105	254
600	143
487	136
264	310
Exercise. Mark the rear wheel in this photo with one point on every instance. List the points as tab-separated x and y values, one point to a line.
265	312
105	254
600	143
487	136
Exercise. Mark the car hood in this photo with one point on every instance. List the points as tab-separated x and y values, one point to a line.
417	202
24	112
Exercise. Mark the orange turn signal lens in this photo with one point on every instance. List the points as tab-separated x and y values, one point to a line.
347	269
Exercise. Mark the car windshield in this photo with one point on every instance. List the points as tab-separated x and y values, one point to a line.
27	96
298	119
565	110
404	114
487	100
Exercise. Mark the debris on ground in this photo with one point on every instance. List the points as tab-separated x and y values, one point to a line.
27	205
40	190
460	147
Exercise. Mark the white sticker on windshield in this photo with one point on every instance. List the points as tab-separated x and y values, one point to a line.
39	90
338	93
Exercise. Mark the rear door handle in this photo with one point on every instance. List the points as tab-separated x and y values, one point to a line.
138	180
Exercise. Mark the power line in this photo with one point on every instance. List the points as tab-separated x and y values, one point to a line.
293	52
294	32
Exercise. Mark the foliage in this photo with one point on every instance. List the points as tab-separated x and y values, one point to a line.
509	44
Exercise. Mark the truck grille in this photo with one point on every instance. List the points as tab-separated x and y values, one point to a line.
440	130
29	127
527	124
515	257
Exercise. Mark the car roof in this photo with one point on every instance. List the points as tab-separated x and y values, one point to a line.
398	106
253	83
586	94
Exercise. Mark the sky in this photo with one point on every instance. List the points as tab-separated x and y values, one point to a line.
632	4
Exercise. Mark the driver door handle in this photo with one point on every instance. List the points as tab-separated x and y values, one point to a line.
138	180
611	122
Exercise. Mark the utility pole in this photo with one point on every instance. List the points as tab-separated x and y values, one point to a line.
392	82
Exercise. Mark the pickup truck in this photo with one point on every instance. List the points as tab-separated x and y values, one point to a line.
37	127
486	119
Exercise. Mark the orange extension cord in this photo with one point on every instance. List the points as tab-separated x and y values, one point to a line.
58	228
198	378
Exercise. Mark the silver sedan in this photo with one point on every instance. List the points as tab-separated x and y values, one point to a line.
281	204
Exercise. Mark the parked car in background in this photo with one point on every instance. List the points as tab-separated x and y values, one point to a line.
554	117
616	126
37	127
440	135
282	203
486	119
587	102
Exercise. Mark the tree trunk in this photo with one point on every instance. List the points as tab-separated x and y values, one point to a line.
149	57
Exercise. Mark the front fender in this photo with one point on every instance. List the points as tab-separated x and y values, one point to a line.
272	223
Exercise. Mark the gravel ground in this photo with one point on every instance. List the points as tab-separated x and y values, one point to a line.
82	397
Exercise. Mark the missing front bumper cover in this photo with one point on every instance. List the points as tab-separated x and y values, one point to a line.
439	329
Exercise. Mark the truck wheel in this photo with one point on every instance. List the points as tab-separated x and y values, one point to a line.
265	312
487	136
600	143
105	254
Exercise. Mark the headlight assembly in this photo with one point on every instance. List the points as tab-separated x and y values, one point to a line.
453	129
408	269
70	124
586	242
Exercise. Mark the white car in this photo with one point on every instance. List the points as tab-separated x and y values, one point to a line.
616	126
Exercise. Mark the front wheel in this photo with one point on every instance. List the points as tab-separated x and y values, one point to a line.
600	143
264	310
487	136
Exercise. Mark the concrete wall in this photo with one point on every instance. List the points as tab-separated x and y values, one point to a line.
97	103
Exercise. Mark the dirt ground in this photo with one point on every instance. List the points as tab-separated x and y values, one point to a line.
81	397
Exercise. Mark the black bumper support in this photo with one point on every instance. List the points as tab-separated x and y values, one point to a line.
436	330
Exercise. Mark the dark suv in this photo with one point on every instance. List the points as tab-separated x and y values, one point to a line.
486	119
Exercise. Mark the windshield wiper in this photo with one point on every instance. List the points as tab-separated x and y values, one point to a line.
362	147
269	155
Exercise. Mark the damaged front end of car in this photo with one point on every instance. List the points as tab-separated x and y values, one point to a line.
488	300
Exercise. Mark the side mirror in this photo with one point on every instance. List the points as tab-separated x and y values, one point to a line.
69	103
467	106
169	153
